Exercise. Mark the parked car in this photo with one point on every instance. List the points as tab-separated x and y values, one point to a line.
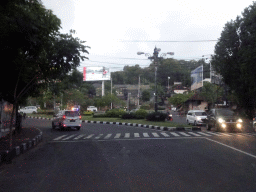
67	119
196	117
223	120
28	109
92	108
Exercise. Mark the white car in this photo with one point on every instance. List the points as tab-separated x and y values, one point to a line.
28	109
67	119
92	108
196	117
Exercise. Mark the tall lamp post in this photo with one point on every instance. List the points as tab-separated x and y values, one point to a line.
156	59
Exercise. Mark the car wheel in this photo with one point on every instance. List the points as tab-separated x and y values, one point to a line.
53	126
195	123
78	128
188	122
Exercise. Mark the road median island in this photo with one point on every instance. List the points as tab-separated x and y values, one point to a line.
164	126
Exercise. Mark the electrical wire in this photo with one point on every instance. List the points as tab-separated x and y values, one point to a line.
168	41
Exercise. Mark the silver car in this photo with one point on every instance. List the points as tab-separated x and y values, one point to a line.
67	119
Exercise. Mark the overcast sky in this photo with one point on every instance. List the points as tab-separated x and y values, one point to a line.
117	30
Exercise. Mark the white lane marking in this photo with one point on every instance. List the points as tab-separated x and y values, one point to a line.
79	136
127	135
165	134
88	137
205	134
136	135
69	137
155	135
58	138
108	136
175	134
251	155
185	134
145	135
98	136
117	136
194	134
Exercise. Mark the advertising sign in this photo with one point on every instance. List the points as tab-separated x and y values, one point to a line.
96	74
197	78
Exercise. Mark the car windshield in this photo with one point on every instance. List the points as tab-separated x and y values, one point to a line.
200	114
225	112
71	113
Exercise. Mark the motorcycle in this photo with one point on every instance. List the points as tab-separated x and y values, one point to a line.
169	117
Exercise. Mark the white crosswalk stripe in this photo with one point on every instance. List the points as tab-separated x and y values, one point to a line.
60	137
108	136
175	134
213	133
117	136
88	137
127	135
79	136
205	134
184	134
165	134
155	135
194	134
136	135
69	137
145	135
99	136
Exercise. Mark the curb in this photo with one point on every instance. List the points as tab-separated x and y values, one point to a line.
137	125
7	156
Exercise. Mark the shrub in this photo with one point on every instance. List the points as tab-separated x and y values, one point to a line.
115	113
145	106
88	113
141	114
128	116
156	116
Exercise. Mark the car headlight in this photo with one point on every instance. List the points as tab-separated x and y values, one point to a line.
240	120
198	119
221	120
239	126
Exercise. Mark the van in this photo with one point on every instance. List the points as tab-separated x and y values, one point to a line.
196	117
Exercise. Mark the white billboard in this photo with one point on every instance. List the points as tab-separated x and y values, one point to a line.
96	74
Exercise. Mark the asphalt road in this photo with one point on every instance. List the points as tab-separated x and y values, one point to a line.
104	157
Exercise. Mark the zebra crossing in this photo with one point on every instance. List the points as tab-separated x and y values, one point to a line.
146	135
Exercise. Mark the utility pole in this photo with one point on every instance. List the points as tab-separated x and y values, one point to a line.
111	93
155	59
139	94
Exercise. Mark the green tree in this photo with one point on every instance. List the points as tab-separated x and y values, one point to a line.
234	58
211	93
179	99
35	49
145	95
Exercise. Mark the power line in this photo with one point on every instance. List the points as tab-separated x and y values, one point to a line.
167	41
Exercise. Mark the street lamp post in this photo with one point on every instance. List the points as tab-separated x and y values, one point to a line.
156	59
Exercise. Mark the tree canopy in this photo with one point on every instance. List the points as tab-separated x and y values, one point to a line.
34	49
235	55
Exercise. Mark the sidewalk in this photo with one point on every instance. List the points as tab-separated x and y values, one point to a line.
28	138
